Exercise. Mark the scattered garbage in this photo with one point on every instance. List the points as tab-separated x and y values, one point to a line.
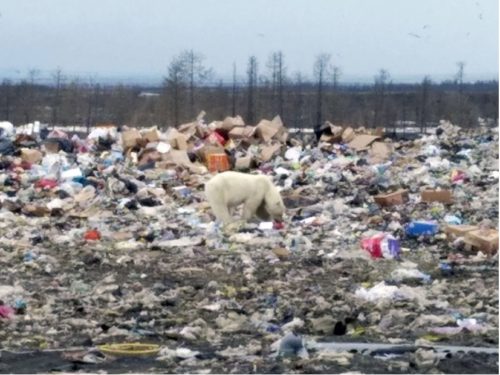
109	238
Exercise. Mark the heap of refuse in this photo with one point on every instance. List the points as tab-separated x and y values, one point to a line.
108	239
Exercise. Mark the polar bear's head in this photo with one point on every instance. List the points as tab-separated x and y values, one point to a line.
274	204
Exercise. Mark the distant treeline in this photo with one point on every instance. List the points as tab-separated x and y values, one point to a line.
188	88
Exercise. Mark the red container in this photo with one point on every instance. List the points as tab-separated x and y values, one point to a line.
217	162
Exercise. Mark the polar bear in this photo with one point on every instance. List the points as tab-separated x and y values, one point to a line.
260	197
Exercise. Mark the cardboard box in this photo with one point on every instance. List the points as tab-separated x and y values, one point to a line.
231	122
455	231
31	156
266	129
242	132
130	138
152	135
282	135
267	152
392	199
362	142
432	195
243	163
380	152
348	135
176	139
188	129
484	240
180	158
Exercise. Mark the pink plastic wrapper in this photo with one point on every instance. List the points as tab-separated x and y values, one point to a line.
6	312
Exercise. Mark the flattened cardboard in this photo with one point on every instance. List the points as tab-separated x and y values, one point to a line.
348	135
335	129
380	151
266	131
176	139
188	129
392	199
178	157
130	138
231	122
152	135
277	123
431	195
242	132
267	152
362	142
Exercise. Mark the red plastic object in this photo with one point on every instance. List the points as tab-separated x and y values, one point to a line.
278	225
372	245
216	137
92	235
458	176
46	183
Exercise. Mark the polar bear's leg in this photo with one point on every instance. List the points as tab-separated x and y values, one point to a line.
250	207
221	212
262	212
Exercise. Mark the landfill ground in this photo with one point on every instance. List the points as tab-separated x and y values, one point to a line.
220	300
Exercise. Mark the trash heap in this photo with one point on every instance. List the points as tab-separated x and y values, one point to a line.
107	239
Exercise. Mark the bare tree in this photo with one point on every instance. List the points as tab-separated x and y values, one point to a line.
321	71
424	103
252	84
298	105
337	72
334	106
30	96
7	91
233	94
380	88
276	65
58	82
196	74
175	85
459	81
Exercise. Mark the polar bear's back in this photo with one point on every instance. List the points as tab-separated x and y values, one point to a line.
234	187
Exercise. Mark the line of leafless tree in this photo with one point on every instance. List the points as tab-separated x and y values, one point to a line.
269	89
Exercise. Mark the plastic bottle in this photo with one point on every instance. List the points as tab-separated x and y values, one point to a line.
422	228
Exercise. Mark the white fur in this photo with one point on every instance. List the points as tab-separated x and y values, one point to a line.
257	193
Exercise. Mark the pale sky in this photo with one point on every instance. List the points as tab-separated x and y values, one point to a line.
408	38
